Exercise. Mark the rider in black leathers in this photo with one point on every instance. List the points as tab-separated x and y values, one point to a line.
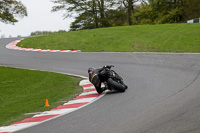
97	76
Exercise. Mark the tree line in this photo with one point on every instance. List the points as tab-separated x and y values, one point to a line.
39	33
90	14
105	13
166	11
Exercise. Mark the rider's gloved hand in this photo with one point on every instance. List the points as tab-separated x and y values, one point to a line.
108	66
105	66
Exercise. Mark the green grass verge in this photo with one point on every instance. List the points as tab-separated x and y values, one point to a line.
139	38
24	91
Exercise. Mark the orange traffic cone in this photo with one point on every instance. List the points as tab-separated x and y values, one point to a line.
46	103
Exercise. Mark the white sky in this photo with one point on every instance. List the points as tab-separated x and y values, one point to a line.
39	18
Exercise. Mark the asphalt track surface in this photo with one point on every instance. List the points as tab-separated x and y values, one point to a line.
163	94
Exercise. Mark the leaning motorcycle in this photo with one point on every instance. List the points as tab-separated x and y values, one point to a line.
113	80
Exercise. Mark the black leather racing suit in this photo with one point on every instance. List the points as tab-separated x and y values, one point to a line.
96	77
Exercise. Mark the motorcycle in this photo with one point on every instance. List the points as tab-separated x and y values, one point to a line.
113	80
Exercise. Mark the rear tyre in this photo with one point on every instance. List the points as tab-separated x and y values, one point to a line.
117	86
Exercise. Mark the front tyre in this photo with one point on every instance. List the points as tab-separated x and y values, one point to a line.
117	86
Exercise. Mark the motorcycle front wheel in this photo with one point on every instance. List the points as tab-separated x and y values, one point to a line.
116	85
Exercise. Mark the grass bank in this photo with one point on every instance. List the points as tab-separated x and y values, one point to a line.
139	38
24	91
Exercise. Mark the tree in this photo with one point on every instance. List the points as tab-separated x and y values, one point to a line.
191	9
144	14
81	7
3	36
168	11
129	6
117	17
83	21
91	13
160	11
10	10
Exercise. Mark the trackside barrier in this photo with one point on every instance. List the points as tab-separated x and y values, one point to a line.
196	20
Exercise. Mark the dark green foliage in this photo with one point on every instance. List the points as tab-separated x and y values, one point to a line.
106	13
159	12
83	21
191	9
117	18
10	10
166	11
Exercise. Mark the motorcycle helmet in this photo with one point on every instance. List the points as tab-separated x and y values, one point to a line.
91	69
